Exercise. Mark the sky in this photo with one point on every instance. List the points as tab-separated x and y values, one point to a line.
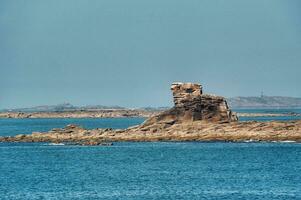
127	53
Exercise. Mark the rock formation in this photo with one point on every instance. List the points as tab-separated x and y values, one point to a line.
192	105
82	114
201	130
195	117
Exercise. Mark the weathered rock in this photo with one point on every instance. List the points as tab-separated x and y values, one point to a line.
195	117
192	105
187	131
185	91
112	113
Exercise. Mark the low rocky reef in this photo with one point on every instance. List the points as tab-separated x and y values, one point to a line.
108	113
195	117
188	131
192	105
117	114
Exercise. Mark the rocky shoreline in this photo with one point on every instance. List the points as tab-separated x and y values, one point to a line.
268	115
195	117
117	114
194	131
81	114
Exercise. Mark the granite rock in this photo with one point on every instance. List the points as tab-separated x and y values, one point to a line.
190	104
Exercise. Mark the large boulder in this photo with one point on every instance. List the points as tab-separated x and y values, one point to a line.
192	105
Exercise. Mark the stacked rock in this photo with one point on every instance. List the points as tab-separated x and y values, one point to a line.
192	105
184	91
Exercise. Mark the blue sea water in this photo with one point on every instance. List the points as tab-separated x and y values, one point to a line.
10	127
273	111
163	170
269	110
264	119
154	170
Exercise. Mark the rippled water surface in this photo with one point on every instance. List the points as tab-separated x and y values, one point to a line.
9	127
291	111
151	171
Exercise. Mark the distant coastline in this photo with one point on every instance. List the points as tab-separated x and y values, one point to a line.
120	113
264	102
236	103
108	113
194	117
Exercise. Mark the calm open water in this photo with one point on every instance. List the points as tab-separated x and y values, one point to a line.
164	170
274	111
227	171
10	127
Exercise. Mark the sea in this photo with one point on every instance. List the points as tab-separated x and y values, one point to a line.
145	170
290	111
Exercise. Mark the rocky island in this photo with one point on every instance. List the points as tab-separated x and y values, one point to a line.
194	117
103	113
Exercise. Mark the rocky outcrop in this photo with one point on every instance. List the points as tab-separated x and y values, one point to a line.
183	92
192	105
188	131
195	117
81	114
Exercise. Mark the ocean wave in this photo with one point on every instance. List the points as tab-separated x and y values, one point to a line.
285	141
56	144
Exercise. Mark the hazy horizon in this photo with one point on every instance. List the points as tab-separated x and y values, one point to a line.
127	53
132	107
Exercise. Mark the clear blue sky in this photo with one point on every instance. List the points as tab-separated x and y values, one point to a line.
128	52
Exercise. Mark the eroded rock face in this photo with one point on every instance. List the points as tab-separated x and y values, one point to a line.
189	120
182	92
192	105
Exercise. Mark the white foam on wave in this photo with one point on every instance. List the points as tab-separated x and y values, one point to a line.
285	141
288	141
251	140
56	144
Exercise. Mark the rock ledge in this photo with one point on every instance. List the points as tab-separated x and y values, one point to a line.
192	105
195	117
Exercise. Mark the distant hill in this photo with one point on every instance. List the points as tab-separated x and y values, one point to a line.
235	102
264	102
